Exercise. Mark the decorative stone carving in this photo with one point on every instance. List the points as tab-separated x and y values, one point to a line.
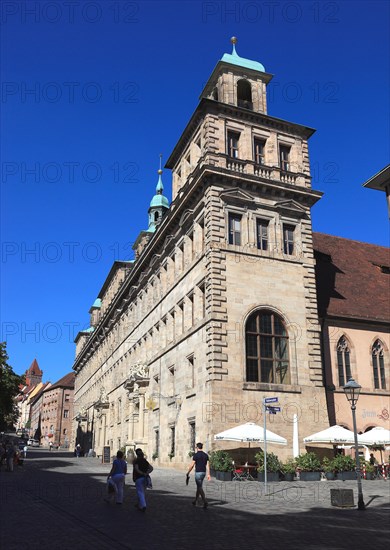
102	402
138	377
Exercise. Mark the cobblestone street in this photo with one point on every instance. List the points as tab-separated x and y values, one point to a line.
57	500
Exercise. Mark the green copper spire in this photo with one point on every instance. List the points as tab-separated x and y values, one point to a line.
235	59
158	205
160	187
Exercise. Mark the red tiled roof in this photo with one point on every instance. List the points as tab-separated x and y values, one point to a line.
353	278
66	381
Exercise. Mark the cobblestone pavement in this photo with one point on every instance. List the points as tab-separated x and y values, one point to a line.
55	499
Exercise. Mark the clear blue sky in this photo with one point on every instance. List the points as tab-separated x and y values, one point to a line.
114	83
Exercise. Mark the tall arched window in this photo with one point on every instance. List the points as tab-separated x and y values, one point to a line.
378	365
244	94
266	348
343	361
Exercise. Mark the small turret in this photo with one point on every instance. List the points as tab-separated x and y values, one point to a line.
158	207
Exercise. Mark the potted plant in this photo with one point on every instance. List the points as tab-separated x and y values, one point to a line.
155	455
273	466
171	455
328	468
370	469
345	467
221	463
288	469
309	466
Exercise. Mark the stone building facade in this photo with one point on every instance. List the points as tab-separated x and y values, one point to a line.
57	412
219	309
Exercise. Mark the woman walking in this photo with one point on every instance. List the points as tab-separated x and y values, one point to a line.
117	476
141	469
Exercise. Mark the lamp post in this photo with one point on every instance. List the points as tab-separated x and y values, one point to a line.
352	392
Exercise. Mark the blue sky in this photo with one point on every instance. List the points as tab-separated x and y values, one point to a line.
93	92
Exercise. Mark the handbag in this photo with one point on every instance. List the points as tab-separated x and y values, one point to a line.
148	482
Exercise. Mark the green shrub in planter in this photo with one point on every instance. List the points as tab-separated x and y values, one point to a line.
343	463
288	469
369	470
273	462
328	468
221	461
289	466
308	462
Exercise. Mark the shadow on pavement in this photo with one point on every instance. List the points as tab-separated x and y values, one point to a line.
49	502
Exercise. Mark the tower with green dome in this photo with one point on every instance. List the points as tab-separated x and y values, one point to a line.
159	205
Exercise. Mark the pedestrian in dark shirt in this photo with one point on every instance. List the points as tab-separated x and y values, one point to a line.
201	462
141	471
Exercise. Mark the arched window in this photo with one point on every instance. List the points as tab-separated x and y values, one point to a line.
244	94
378	365
156	216
343	361
266	348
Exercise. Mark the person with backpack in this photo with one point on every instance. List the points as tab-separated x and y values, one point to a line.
141	471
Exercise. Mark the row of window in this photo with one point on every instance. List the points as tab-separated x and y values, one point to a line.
189	249
262	234
267	353
171	326
233	150
172	440
344	363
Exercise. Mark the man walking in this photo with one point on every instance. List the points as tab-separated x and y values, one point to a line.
201	462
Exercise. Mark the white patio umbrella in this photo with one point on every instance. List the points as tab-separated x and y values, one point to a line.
250	432
375	437
334	434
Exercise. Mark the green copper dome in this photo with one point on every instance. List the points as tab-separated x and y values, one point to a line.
159	199
235	59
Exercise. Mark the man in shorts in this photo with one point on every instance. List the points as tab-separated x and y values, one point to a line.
201	462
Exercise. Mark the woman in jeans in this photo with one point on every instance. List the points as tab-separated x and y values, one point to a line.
141	469
117	475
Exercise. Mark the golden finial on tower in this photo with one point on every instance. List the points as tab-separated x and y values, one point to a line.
233	40
160	169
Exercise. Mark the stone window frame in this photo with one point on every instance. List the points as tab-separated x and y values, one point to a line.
296	224
342	380
244	221
233	134
191	364
385	352
172	443
291	370
192	433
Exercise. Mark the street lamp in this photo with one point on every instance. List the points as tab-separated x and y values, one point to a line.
352	392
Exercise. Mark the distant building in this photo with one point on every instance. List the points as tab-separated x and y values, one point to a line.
27	392
57	412
36	412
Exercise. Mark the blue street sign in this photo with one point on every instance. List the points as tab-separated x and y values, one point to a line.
273	409
271	400
272	412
